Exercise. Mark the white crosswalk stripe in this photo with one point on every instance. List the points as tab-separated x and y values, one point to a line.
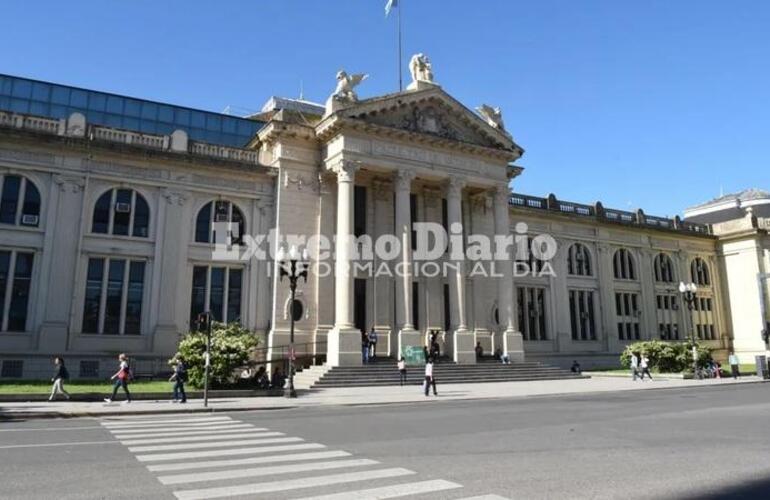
203	457
395	491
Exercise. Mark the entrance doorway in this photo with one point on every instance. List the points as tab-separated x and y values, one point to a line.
359	304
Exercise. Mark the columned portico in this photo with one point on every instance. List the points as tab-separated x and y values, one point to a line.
463	339
407	335
512	340
344	341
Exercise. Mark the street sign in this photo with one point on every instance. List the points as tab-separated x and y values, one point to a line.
413	355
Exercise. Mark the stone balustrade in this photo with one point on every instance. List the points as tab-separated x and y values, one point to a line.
597	211
75	126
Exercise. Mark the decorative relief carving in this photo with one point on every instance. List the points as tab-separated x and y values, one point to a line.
175	197
325	183
69	183
459	163
298	180
346	170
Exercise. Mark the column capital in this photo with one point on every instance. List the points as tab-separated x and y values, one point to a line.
402	179
455	185
501	193
346	170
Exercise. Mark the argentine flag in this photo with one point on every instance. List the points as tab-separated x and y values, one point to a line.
389	6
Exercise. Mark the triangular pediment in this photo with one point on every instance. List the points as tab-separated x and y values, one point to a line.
432	113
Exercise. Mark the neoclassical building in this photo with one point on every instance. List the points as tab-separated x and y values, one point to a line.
109	203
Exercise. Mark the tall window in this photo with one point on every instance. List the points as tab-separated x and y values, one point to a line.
579	260
627	313
668	324
359	213
663	269
700	272
113	298
525	261
19	201
581	308
15	281
121	212
219	211
623	265
219	290
703	318
531	302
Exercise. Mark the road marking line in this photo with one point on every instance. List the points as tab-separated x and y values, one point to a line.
196	432
197	477
246	433
57	429
217	444
225	453
291	484
485	497
43	445
206	418
136	425
398	490
295	457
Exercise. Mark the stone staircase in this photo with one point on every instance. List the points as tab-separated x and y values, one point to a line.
307	377
383	372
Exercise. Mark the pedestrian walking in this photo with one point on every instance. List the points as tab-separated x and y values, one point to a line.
734	365
179	378
60	374
373	343
121	379
430	380
402	371
644	365
634	365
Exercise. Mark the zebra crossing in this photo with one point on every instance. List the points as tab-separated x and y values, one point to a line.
202	457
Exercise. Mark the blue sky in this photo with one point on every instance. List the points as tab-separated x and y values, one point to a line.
656	104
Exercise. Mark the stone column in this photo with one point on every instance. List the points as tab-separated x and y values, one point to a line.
344	342
407	335
512	340
463	339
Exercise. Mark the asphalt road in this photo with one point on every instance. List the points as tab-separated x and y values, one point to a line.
702	443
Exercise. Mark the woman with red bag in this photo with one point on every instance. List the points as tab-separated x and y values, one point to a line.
121	378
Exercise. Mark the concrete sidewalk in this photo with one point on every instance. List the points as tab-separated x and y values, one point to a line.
359	396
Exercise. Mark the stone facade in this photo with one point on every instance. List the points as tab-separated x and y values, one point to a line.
122	244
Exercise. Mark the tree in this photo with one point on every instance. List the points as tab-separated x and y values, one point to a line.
667	357
231	347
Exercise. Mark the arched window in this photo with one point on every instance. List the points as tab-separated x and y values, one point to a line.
19	201
623	265
579	261
220	211
700	272
663	269
121	212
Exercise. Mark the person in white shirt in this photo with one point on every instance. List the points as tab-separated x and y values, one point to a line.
402	370
734	365
644	364
634	365
429	378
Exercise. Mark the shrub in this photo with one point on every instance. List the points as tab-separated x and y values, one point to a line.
667	357
231	346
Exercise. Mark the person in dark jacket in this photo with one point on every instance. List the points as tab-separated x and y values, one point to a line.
60	374
179	378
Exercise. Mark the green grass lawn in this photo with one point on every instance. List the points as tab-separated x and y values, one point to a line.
80	386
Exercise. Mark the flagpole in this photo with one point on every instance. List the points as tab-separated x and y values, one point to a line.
400	80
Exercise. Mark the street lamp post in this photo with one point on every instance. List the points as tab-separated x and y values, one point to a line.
204	321
688	291
293	266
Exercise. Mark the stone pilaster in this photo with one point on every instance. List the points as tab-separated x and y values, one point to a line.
384	321
407	335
